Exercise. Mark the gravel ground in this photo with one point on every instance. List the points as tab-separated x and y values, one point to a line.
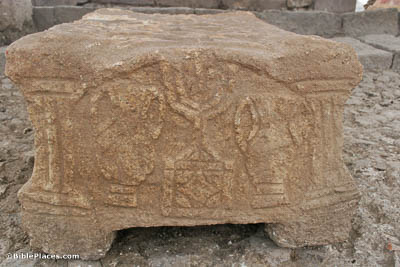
372	153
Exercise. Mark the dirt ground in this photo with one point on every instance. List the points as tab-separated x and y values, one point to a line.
372	153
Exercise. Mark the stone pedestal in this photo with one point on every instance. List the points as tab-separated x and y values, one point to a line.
159	120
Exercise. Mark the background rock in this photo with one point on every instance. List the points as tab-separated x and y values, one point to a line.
65	14
299	3
381	21
58	2
337	6
254	4
303	22
386	42
189	3
384	4
48	16
126	2
15	20
2	59
170	10
383	41
371	58
43	18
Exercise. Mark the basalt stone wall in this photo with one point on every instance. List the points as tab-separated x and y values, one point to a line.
337	6
256	5
58	2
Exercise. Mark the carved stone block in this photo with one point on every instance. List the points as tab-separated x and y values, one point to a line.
150	120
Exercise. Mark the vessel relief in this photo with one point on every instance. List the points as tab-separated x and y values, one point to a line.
126	154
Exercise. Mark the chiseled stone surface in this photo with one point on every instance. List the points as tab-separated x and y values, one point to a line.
149	120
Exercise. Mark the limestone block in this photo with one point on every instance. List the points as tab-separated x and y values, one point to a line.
149	120
337	6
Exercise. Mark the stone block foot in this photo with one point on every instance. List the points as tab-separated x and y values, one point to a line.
320	226
63	235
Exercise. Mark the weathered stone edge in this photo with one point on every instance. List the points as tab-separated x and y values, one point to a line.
325	24
46	17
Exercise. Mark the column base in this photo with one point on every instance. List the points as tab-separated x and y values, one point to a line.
64	235
320	226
